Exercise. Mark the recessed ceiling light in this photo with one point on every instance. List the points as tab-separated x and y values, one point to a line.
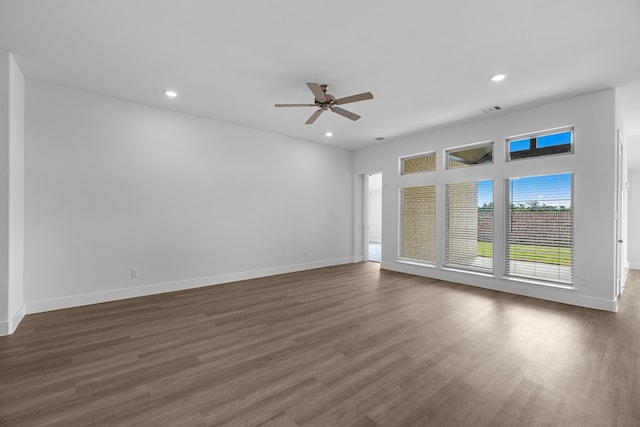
171	93
328	134
498	77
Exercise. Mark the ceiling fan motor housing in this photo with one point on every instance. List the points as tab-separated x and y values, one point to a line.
325	101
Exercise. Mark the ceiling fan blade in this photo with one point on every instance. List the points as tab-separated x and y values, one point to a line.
354	98
345	113
295	105
313	117
317	92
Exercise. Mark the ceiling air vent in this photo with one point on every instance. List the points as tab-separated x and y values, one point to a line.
491	109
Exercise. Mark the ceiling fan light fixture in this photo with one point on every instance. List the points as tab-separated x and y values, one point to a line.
498	77
324	101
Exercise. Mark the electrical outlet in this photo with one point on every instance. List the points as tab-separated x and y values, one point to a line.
585	282
135	273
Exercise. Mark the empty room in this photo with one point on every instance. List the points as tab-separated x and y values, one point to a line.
296	213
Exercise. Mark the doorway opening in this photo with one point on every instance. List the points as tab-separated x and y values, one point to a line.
621	217
374	217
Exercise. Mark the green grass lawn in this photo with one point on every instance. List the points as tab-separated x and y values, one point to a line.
547	254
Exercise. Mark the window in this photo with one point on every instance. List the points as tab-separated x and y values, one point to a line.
540	144
472	155
539	222
469	226
418	163
417	238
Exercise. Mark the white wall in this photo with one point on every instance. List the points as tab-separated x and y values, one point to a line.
16	192
594	191
12	116
4	191
113	186
634	224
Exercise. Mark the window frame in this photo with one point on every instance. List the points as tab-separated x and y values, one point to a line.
447	218
447	152
507	274
401	225
416	156
540	152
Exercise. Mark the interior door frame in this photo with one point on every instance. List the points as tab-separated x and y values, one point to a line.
365	217
620	217
365	214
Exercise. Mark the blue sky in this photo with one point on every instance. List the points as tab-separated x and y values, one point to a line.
485	192
552	190
541	141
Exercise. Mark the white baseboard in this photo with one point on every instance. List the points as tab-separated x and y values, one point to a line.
50	304
7	327
549	293
634	265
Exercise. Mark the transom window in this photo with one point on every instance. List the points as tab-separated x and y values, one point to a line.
425	162
540	144
471	155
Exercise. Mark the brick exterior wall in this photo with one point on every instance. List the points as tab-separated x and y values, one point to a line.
485	226
424	163
462	222
419	223
526	224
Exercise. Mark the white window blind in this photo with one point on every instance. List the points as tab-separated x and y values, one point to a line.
539	227
418	236
469	226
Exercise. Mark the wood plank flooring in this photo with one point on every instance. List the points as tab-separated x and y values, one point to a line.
340	346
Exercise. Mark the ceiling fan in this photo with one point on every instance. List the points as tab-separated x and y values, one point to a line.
326	101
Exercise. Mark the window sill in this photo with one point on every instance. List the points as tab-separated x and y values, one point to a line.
413	262
529	281
470	271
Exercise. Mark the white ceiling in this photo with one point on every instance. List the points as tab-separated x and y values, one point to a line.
427	63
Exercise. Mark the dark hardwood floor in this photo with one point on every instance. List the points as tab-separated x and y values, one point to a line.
343	346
